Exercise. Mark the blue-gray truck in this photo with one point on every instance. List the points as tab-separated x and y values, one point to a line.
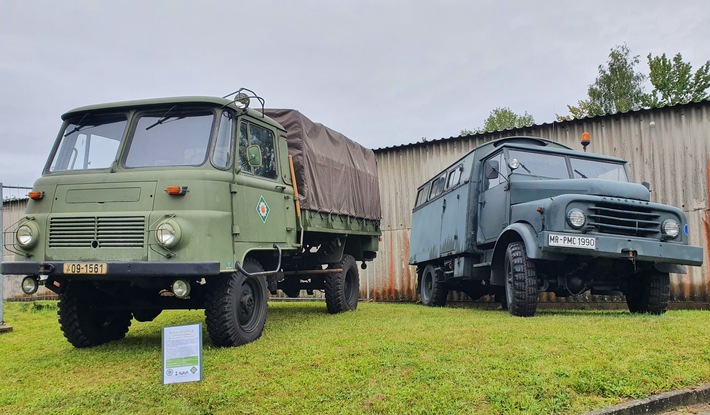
523	215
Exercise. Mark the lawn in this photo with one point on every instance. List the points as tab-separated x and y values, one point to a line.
382	358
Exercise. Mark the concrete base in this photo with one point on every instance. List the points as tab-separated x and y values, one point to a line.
659	403
4	328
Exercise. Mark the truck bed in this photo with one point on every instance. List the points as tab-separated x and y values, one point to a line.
336	177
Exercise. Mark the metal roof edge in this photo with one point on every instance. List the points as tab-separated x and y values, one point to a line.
518	131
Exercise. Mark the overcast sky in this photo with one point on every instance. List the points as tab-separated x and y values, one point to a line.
382	72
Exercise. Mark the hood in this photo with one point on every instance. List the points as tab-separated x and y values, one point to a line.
528	188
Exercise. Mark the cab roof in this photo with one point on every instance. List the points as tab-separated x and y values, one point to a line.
161	102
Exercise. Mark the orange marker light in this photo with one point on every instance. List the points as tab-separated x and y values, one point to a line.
585	140
176	190
35	195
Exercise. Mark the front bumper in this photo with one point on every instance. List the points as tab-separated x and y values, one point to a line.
644	250
115	270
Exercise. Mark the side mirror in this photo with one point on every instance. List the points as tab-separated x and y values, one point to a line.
254	155
492	169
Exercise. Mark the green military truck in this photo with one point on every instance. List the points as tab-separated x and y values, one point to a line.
195	203
524	215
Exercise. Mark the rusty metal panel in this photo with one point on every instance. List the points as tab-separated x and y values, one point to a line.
667	147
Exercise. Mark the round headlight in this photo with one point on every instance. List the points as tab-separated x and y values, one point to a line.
29	285
513	163
26	235
670	228
168	234
181	288
576	218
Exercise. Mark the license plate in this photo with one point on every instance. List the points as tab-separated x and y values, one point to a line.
89	268
572	241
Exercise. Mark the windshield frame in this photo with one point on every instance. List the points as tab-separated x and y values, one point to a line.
75	126
568	158
160	117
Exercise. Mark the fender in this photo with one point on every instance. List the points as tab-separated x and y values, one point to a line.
520	231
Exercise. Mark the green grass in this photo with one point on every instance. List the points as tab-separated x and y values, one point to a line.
381	359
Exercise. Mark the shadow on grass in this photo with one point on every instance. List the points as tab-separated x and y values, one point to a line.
147	336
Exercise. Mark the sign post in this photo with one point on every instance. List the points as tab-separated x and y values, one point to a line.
3	327
182	354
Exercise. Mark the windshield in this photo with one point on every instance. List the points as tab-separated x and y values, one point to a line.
554	166
89	143
541	165
173	137
597	169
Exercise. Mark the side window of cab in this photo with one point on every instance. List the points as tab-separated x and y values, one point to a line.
262	162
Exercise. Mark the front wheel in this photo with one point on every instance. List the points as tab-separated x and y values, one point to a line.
236	306
432	290
648	292
86	319
520	281
342	290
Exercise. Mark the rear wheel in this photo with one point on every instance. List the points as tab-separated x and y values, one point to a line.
648	292
432	290
236	307
342	290
520	281
84	321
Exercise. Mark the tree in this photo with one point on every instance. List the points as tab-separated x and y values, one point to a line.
674	83
502	119
618	88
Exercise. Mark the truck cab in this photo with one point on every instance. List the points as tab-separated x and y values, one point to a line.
524	215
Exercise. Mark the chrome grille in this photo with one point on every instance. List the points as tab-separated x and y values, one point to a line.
622	219
97	232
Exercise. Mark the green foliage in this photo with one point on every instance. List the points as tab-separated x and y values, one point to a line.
501	119
380	359
618	88
675	83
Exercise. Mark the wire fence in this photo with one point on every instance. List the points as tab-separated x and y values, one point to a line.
8	194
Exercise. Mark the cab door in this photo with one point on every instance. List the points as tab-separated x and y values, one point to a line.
264	210
493	202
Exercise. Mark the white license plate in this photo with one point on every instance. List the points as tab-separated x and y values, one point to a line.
90	268
572	241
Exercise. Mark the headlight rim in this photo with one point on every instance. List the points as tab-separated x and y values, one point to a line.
33	235
175	232
570	220
672	234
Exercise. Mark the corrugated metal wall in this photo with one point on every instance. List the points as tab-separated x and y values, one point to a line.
668	147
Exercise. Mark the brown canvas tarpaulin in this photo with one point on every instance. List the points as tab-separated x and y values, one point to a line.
334	174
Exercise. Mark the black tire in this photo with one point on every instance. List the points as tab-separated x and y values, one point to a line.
432	290
83	323
342	290
520	281
236	306
648	292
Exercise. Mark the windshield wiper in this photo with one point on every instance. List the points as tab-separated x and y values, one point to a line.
581	174
162	119
79	126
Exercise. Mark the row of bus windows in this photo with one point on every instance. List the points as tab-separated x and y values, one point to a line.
444	181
